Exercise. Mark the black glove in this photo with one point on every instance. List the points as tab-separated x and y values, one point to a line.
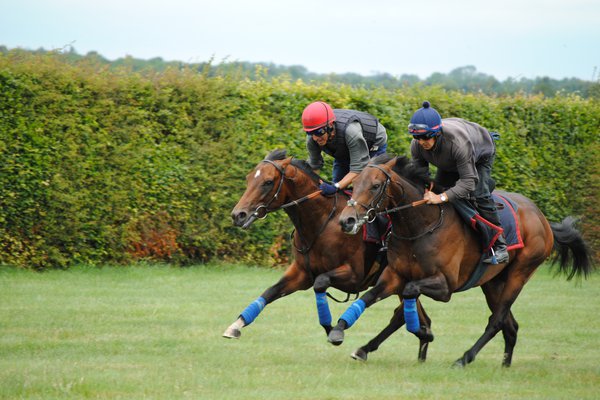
327	189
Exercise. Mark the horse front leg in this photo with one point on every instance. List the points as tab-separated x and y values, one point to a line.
387	285
435	286
424	334
342	274
294	279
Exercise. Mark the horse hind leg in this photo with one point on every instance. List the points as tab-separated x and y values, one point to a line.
501	319
510	327
509	331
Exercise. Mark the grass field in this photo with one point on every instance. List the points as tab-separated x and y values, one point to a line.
154	332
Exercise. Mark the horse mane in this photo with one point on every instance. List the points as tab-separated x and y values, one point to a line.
418	176
276	155
381	159
281	154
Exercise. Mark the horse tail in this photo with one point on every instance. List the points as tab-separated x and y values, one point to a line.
571	251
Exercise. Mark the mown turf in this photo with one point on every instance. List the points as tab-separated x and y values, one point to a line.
154	332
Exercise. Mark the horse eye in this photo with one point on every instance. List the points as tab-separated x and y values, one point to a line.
268	183
376	186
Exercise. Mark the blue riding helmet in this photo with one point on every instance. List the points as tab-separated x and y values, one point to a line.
425	122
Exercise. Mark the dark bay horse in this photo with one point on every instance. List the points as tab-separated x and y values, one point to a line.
431	251
324	256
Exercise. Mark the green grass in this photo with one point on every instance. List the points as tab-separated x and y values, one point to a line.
155	333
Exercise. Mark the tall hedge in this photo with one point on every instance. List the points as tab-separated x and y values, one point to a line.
102	166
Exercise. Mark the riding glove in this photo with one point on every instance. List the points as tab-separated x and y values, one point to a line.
327	189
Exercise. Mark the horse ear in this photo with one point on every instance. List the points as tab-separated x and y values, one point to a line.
397	164
392	163
286	162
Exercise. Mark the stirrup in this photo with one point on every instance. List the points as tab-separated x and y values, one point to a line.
493	259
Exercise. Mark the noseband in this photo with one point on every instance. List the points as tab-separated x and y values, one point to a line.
375	204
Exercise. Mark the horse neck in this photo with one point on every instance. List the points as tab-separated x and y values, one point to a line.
411	220
308	216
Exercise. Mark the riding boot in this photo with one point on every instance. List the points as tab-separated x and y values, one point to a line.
499	252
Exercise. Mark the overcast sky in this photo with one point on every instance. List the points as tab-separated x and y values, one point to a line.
503	38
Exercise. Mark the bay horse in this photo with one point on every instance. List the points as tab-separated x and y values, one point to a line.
324	256
431	251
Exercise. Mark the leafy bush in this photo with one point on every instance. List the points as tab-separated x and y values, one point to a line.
103	166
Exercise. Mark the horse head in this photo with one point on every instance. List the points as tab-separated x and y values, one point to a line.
264	185
387	181
370	194
274	181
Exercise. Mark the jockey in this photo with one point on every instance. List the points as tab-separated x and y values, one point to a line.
463	153
350	137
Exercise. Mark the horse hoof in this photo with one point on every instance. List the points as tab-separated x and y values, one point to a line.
336	337
232	333
359	355
460	363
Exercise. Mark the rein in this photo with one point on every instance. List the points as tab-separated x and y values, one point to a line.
329	217
263	209
429	230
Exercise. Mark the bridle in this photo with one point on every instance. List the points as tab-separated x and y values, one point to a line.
375	205
263	210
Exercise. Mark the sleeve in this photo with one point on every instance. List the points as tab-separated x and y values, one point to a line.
467	173
357	147
415	152
315	159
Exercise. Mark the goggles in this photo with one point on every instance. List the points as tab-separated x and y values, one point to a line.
423	131
317	132
425	136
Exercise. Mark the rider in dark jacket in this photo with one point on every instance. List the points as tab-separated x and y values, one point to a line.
351	137
463	153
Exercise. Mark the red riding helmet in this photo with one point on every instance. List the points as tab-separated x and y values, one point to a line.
317	115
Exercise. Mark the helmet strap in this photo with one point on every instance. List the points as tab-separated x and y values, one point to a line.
330	131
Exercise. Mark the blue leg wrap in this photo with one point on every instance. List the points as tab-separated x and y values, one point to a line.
411	317
353	312
323	309
252	311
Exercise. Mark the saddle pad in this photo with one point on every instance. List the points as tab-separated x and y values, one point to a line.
509	221
507	212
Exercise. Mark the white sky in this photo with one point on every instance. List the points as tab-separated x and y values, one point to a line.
503	38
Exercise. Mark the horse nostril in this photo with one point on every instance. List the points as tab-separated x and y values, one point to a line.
348	223
239	216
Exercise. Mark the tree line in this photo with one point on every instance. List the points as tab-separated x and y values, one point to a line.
465	79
